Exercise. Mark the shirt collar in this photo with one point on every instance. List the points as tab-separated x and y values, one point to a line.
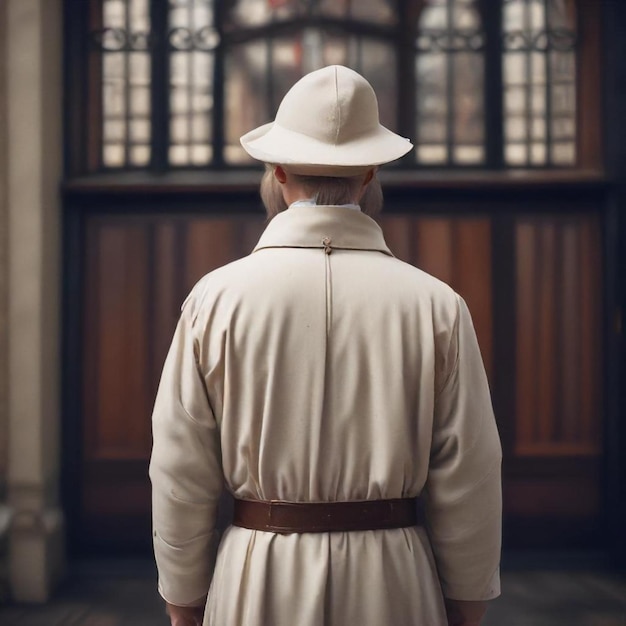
323	227
312	202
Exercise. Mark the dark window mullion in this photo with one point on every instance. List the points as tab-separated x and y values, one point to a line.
219	78
269	77
190	84
529	84
160	92
549	84
405	78
128	27
491	11
450	86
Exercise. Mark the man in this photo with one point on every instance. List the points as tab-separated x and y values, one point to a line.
328	385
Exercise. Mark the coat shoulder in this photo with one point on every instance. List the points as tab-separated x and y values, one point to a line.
216	281
424	283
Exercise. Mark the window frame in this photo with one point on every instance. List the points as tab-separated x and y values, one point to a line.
82	120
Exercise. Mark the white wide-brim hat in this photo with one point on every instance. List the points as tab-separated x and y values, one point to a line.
327	125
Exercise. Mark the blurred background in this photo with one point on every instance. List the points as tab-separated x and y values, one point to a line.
122	182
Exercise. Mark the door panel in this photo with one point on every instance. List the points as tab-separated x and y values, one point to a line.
139	271
554	462
558	338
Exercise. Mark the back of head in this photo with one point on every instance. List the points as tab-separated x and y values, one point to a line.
324	191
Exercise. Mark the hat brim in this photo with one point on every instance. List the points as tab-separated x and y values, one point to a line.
271	143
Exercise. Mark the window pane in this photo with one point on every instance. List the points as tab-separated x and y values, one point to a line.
179	155
516	129
432	108
140	131
140	155
450	84
564	153
468	155
114	14
538	153
468	99
115	132
125	65
432	154
539	128
516	154
515	69
192	39
113	155
540	77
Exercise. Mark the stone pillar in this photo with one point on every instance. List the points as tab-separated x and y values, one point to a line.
33	40
4	414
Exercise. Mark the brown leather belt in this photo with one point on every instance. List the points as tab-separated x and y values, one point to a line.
325	517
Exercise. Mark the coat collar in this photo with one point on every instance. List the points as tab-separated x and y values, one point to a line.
323	227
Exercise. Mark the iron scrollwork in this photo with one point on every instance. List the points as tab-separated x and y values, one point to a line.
446	41
559	40
205	39
120	40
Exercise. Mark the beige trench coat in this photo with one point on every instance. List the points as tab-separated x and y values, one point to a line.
306	372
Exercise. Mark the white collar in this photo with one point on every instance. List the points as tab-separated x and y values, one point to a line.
311	202
322	226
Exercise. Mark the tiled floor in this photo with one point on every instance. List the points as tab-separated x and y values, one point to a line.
122	593
559	598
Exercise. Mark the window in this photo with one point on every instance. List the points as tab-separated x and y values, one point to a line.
175	83
449	63
540	82
126	62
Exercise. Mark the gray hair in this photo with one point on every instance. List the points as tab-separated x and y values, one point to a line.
325	190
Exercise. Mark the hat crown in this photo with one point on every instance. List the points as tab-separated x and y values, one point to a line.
334	105
327	125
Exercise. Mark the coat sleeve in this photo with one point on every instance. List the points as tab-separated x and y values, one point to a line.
462	496
186	474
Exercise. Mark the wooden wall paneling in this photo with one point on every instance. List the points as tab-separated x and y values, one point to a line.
165	296
139	269
91	338
472	278
249	230
123	388
545	358
209	243
434	251
399	232
591	409
526	349
558	341
504	289
118	389
552	471
570	334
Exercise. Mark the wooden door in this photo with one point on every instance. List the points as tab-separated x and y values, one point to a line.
533	285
